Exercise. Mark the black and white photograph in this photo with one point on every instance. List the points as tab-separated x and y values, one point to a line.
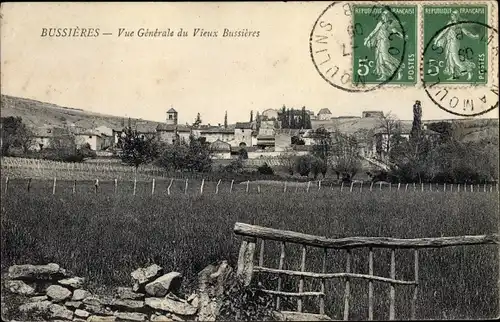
249	161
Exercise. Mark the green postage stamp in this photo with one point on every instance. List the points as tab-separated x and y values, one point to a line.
385	44
456	44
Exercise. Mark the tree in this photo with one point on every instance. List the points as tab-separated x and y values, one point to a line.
416	128
344	157
321	150
225	120
303	165
251	116
303	117
197	121
288	161
388	125
14	133
138	148
194	156
258	120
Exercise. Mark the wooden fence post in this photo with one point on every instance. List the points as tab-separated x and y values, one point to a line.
301	282
422	185
393	290
471	188
451	187
186	187
153	187
342	186
371	186
74	186
135	184
458	188
323	270
415	289
248	183
6	184
430	186
414	187
308	185
201	187
444	188
280	266
352	184
406	187
116	186
347	291
170	185
399	185
96	185
485	187
245	261
284	188
231	188
319	185
380	185
54	186
217	187
29	184
258	188
390	186
370	285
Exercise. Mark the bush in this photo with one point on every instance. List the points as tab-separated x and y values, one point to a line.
265	169
304	164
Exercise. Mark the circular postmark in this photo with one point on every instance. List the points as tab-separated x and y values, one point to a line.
456	74
365	54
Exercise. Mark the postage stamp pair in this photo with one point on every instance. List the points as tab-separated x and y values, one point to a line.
385	42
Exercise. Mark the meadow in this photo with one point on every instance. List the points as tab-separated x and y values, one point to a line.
103	236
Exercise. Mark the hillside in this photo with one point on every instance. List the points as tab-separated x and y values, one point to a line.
37	114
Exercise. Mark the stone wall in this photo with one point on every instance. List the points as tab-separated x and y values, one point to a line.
51	293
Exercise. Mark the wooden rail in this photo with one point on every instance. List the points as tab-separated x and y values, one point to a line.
246	265
356	242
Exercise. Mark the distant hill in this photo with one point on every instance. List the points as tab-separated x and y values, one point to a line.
38	114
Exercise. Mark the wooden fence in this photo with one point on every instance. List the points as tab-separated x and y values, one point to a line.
253	234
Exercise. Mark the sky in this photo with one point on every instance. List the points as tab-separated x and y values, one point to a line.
143	77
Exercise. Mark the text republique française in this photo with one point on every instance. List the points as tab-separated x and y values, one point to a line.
77	32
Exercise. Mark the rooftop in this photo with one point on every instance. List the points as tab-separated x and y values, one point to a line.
171	110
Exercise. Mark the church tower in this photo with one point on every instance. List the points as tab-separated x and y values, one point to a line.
171	116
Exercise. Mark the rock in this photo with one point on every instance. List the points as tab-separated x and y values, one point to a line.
40	306
127	304
126	293
211	283
195	301
74	282
98	300
73	304
97	318
142	276
19	287
79	320
160	318
79	295
176	317
170	282
130	316
169	305
58	293
81	313
38	298
59	311
50	271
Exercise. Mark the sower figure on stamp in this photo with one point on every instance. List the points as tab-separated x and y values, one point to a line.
379	39
449	40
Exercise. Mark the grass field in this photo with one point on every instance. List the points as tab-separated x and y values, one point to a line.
105	236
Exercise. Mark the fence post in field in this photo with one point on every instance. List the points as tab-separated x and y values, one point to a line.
217	187
116	185
308	185
361	186
380	185
371	186
444	188
153	187
135	185
347	286
458	187
301	282
186	187
96	185
258	188
319	185
451	187
415	289
430	186
370	285
284	188
392	302
422	185
74	186
406	187
414	187
231	188
352	184
399	185
29	184
201	187
248	183
491	188
54	186
6	184
342	186
471	188
485	187
168	188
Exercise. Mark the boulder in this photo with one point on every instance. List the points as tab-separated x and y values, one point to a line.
58	293
97	318
59	311
50	271
74	282
127	304
160	318
212	281
73	304
142	276
126	293
169	305
40	307
80	294
19	287
161	286
38	298
131	316
81	313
